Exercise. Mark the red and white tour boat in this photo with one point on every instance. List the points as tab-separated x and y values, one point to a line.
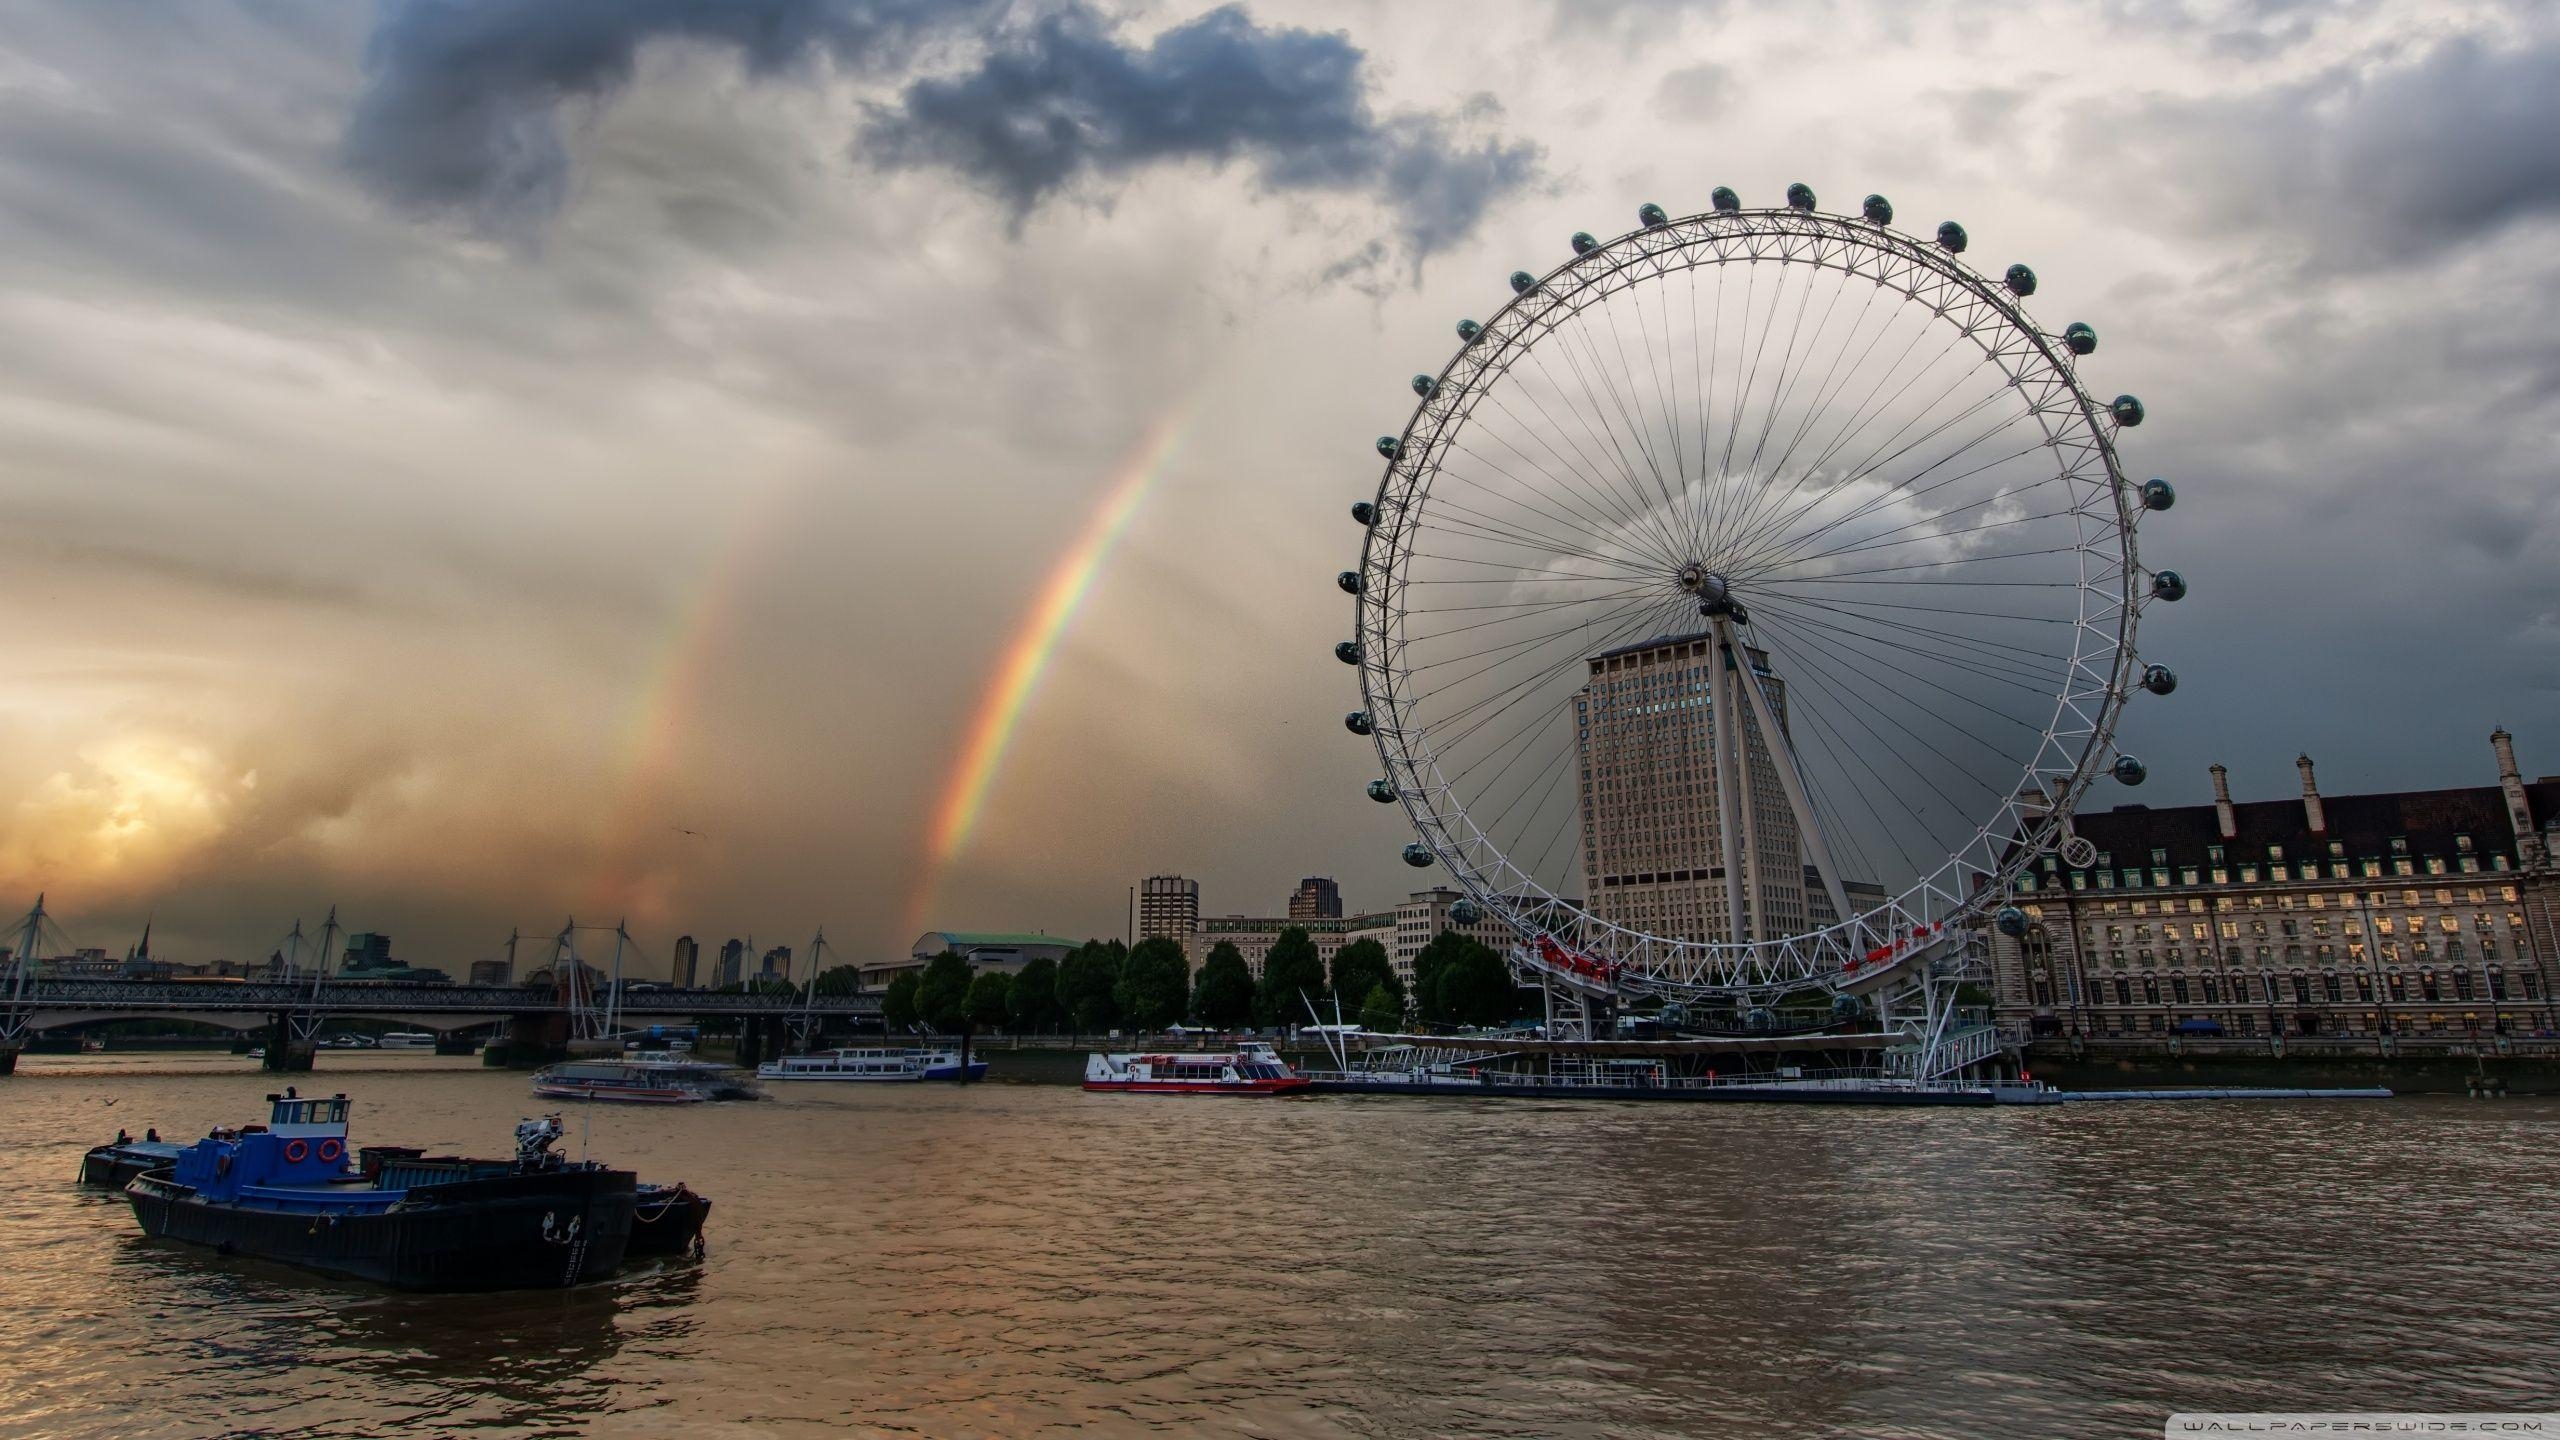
1250	1069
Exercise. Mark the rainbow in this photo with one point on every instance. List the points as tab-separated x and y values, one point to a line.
1026	658
634	852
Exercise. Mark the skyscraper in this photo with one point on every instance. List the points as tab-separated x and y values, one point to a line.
688	960
733	962
1652	846
1168	905
1316	898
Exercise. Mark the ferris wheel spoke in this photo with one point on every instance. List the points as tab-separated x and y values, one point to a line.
1667	387
1632	516
1994	667
1804	653
1525	609
1670	440
1626	623
1602	537
1770	500
1818	680
1883	405
1572	336
1901	489
1785	377
1850	652
1541	546
1879	458
1991	646
1940	537
1775	552
1584	479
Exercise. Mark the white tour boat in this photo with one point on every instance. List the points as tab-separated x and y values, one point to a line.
1252	1068
878	1065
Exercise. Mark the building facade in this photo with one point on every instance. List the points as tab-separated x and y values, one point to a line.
733	962
1652	848
1316	898
984	950
1168	907
685	968
2420	915
493	972
1254	935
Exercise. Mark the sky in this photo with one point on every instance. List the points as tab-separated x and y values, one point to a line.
743	466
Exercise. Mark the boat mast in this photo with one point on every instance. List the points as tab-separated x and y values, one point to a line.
24	960
320	966
613	1003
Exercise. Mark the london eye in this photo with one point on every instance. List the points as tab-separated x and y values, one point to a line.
1748	600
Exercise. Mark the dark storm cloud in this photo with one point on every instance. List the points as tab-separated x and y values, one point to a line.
1065	100
462	110
2362	166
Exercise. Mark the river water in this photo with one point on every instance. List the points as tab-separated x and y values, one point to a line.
1016	1259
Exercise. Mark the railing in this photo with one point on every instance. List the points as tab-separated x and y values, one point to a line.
378	996
1961	1048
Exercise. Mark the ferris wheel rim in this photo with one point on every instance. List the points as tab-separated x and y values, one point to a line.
2076	740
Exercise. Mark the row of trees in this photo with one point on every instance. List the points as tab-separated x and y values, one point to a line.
1105	984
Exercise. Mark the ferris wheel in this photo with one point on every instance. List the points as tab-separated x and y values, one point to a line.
1749	600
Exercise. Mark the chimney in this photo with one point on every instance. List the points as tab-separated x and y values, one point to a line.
2312	815
2222	802
2519	814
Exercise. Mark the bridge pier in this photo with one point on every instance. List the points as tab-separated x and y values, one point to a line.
8	1059
529	1042
285	1054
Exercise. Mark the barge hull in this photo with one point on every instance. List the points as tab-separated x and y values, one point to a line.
515	1233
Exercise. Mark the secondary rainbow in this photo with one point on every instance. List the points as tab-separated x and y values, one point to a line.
1026	657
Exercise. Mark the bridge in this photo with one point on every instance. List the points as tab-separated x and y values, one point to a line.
539	1018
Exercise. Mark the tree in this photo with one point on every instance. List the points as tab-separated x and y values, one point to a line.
1032	1004
990	1000
839	980
1223	996
898	1006
1476	988
1461	981
1360	967
1381	1010
1289	972
942	997
1086	982
1430	966
1155	984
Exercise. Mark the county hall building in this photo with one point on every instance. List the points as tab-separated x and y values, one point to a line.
2427	915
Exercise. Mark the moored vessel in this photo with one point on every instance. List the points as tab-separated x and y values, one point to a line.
114	1164
641	1082
285	1191
1250	1069
876	1065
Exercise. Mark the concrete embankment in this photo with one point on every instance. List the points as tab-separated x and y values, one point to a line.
2401	1074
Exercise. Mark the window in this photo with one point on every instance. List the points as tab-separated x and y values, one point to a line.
2461	984
2532	985
2427	985
2124	992
2497	984
2332	988
2178	989
2211	997
2302	989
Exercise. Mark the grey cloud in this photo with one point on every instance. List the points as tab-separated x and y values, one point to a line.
1697	92
2362	166
462	111
1066	100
